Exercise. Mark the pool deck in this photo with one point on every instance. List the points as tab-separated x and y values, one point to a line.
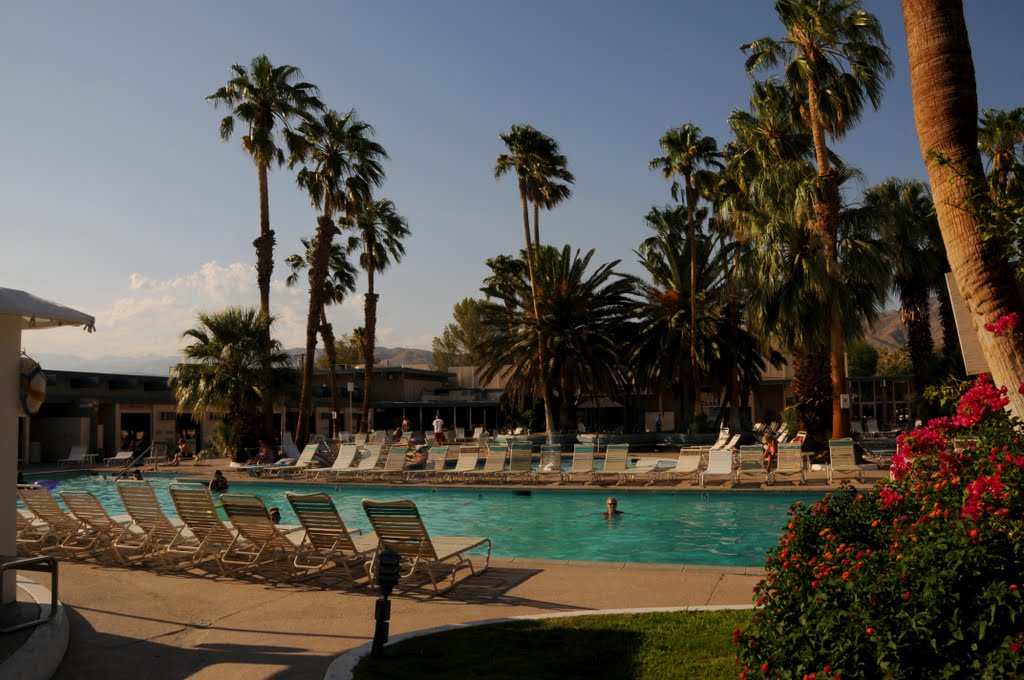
136	623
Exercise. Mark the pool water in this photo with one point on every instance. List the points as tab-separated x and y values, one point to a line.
719	528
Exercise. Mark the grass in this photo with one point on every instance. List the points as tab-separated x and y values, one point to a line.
662	646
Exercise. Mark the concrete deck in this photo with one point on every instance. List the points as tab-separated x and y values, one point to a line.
138	624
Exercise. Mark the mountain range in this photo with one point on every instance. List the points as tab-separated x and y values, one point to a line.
887	333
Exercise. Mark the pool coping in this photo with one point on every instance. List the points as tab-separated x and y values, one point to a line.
343	665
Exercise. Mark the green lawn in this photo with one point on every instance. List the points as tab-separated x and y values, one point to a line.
658	646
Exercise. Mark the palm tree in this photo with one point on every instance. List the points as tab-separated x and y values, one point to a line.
341	167
231	367
688	153
261	97
945	99
915	254
833	55
340	281
665	328
378	233
582	320
539	169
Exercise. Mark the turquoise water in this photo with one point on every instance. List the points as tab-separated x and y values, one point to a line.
678	527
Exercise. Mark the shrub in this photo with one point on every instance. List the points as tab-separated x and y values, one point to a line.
919	577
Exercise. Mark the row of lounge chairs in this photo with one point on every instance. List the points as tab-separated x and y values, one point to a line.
248	541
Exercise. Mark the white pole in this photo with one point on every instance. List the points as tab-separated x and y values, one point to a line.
10	372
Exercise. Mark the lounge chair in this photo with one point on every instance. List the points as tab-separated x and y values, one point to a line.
76	456
719	467
120	457
305	462
100	528
399	527
52	522
327	539
258	540
30	533
156	532
359	439
842	460
520	463
436	459
477	433
686	469
751	465
872	426
343	461
394	465
194	506
582	463
365	467
469	454
616	462
723	439
494	465
790	463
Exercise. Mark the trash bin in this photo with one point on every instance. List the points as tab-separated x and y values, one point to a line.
35	452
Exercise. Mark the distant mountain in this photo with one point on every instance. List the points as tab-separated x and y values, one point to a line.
888	331
156	365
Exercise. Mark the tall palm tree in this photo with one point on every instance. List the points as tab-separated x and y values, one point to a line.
262	97
231	367
378	231
540	170
341	165
834	56
687	153
582	320
340	281
945	99
915	254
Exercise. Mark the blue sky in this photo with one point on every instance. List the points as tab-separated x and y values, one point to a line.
117	197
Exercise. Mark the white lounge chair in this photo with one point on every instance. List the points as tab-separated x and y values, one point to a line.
751	465
343	461
582	463
76	456
842	460
121	457
720	467
790	464
616	463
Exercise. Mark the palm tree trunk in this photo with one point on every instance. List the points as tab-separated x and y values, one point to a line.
264	245
691	210
370	313
317	280
916	319
811	388
327	334
827	208
945	99
542	365
536	225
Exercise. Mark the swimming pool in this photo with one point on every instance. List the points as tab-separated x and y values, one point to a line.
676	527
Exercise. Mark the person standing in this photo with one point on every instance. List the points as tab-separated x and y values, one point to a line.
439	437
657	423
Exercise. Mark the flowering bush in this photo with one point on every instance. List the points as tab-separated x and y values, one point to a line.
919	577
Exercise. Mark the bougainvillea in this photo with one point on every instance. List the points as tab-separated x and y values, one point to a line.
918	577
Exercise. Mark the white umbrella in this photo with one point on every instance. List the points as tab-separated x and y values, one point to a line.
35	312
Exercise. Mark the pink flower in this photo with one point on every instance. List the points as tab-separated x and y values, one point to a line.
1005	325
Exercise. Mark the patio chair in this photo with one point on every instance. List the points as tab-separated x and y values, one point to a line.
30	533
305	462
872	426
686	469
52	522
494	465
156	531
102	529
720	467
477	433
399	527
582	463
723	439
436	459
327	539
343	461
365	467
751	465
616	462
120	457
520	463
790	464
76	456
258	540
842	460
194	506
469	454
394	465
359	439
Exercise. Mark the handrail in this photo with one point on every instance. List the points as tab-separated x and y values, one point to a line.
130	465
